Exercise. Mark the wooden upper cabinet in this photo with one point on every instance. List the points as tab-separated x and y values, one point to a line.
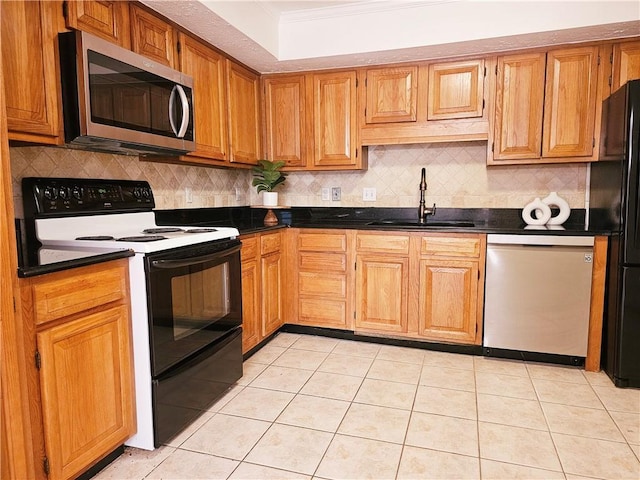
286	116
244	114
334	116
207	67
519	106
30	68
105	19
626	63
456	90
151	36
570	102
392	94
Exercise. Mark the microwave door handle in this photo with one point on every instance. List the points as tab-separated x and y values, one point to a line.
185	111
172	101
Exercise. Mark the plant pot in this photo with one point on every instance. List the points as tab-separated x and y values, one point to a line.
270	199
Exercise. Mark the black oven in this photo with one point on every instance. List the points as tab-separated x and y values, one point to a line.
194	302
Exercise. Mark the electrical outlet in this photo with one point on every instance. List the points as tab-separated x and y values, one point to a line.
188	193
240	196
335	193
326	194
369	194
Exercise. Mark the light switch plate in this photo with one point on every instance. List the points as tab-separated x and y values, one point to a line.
369	194
326	194
188	193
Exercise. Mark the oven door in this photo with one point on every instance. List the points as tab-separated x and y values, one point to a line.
194	299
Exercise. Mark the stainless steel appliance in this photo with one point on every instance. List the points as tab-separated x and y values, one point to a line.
185	293
614	205
118	101
537	294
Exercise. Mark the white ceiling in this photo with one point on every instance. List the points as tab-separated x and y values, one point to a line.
279	36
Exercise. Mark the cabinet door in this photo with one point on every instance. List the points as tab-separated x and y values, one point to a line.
86	381
104	19
271	270
334	115
381	293
151	36
570	102
456	90
391	94
519	104
286	115
448	300
244	114
207	67
30	70
626	63
251	328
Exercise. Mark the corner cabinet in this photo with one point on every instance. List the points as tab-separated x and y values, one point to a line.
83	390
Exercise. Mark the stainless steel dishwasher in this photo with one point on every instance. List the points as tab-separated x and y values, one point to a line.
537	293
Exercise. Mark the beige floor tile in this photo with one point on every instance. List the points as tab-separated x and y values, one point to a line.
258	403
386	394
443	401
284	339
267	354
453	378
517	412
305	359
359	459
596	458
522	446
395	371
314	412
282	378
190	430
315	343
559	373
400	354
580	421
492	470
500	366
250	370
449	360
566	393
420	463
376	423
134	464
227	436
346	364
619	399
226	398
290	448
629	425
598	378
447	434
250	471
332	385
505	385
183	464
636	450
356	349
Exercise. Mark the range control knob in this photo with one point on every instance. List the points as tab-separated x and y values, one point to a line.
76	192
146	193
64	193
50	193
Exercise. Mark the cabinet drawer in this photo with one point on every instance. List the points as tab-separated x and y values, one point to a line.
382	243
451	246
269	243
249	248
322	312
74	291
322	284
331	262
322	242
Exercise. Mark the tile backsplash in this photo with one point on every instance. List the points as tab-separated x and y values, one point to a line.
457	176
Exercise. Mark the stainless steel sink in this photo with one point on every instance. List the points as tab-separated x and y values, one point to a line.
416	224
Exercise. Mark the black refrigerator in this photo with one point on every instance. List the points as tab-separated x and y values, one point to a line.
614	204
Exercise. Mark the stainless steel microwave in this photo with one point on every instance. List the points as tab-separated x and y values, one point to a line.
117	101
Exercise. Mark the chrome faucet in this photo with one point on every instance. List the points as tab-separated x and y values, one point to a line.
422	211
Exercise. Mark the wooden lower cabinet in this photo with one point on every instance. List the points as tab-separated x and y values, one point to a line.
262	280
81	387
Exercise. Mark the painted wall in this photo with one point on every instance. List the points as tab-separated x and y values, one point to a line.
457	176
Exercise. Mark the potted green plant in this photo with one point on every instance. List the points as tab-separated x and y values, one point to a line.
267	176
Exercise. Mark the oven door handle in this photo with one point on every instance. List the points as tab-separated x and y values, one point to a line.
187	262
